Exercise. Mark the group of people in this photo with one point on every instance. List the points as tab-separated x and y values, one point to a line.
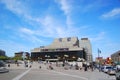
83	66
26	64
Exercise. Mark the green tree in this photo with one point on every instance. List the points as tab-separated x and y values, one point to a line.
3	58
17	58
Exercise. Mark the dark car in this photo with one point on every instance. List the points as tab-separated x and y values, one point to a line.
2	67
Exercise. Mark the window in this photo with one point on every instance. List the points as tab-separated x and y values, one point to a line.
60	39
69	39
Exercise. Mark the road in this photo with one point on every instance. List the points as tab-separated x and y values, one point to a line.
58	73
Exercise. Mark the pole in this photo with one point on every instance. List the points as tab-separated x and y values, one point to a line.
99	59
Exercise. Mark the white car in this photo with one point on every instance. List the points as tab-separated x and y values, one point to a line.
106	68
111	71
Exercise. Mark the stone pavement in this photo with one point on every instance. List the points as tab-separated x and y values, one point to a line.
58	73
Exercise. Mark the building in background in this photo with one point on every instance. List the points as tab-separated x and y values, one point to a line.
69	48
116	57
2	53
22	54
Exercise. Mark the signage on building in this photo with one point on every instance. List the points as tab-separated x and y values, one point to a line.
58	49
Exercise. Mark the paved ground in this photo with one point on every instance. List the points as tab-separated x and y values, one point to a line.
34	73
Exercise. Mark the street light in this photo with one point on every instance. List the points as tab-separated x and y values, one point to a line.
99	58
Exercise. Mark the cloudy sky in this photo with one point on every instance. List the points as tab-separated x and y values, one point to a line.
27	24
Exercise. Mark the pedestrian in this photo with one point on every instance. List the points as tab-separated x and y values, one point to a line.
8	64
30	66
17	64
40	67
80	67
85	68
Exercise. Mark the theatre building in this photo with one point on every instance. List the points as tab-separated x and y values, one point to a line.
69	48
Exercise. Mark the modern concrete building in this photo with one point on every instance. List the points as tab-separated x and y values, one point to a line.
2	53
116	57
86	46
69	48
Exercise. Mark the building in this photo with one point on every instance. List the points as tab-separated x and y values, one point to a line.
69	48
22	54
86	46
116	57
2	53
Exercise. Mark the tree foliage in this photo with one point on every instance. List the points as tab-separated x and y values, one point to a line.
17	58
4	58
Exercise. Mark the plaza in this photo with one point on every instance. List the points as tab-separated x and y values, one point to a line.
58	73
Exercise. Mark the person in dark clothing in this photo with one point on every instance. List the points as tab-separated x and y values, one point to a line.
8	65
85	67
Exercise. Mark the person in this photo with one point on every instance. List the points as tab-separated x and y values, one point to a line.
17	64
80	67
8	64
30	66
85	68
40	67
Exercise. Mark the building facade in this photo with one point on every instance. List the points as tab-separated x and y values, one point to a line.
22	54
69	48
2	53
116	57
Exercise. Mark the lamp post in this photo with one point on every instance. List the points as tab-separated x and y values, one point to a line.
99	58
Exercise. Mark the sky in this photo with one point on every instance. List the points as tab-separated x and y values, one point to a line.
28	24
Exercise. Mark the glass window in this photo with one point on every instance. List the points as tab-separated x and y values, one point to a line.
60	39
69	39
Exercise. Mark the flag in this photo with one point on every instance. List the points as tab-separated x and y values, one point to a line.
99	51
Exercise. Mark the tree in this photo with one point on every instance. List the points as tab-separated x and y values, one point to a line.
17	58
3	58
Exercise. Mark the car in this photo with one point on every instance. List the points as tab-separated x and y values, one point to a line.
3	70
2	67
111	71
106	68
117	75
2	63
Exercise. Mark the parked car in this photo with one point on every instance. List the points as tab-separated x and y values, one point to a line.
106	68
2	67
101	69
2	64
111	71
117	75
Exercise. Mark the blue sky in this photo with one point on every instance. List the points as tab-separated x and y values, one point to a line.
27	24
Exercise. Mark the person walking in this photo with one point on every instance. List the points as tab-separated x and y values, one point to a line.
8	64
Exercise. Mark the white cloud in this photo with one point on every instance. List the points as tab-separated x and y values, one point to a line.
98	37
26	31
113	13
15	6
54	28
47	26
28	34
64	6
67	9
